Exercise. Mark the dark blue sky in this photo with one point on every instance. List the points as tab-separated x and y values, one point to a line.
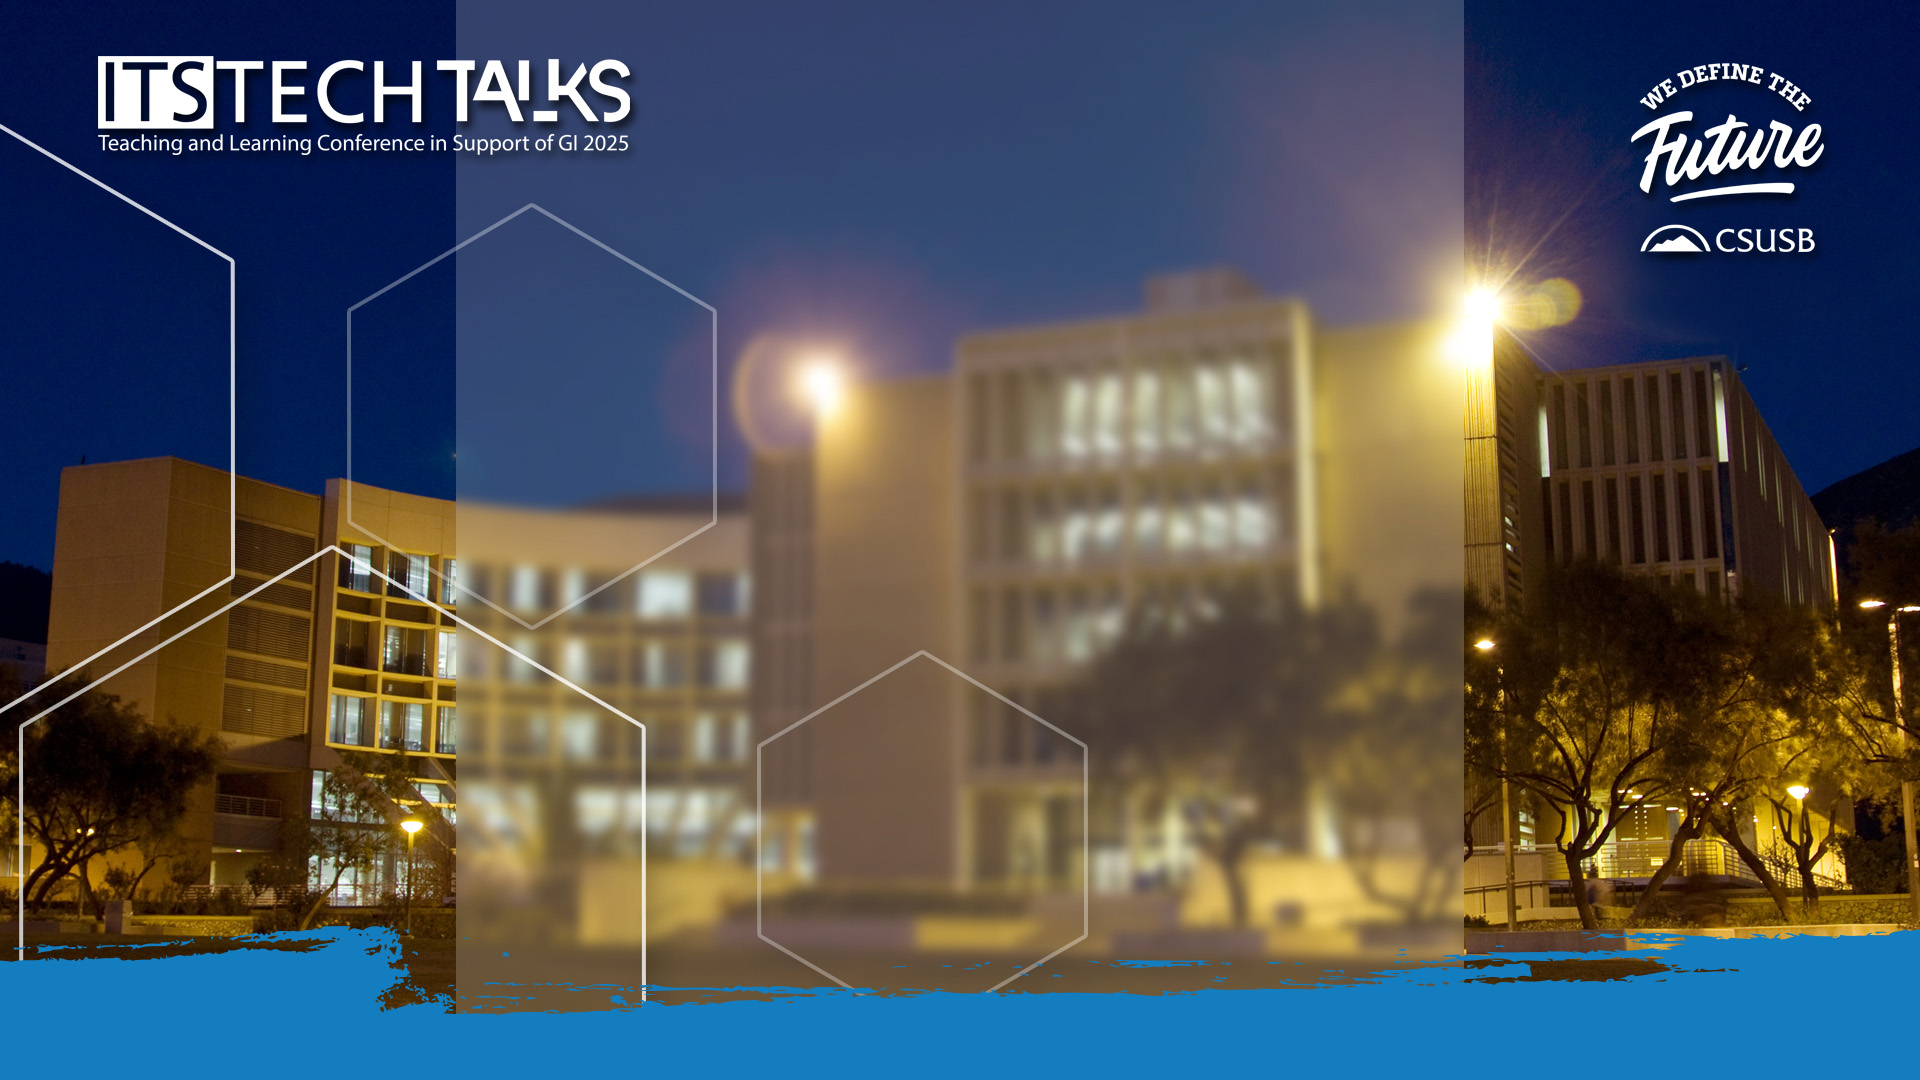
877	176
1552	102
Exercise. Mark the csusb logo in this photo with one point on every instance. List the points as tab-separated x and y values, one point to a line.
1767	152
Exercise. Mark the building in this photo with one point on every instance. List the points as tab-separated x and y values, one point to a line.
303	656
1009	516
557	786
1662	467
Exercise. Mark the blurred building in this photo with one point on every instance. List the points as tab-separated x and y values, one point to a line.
25	660
557	786
1663	467
327	657
1009	516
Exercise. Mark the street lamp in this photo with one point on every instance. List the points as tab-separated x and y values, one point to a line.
411	827
822	383
1506	806
1900	728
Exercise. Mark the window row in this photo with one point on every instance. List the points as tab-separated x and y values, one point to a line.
1612	419
422	577
689	820
1177	406
708	738
1632	520
392	725
656	665
397	650
649	594
1215	516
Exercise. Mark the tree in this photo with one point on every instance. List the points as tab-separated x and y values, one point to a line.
1594	682
362	801
1762	712
99	777
1223	710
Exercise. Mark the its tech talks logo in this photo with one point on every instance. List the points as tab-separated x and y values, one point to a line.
1748	161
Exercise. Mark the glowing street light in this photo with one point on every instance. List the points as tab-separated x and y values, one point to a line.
1799	792
822	383
1506	803
410	826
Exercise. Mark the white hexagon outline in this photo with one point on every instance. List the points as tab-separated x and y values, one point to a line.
232	468
21	735
759	824
713	412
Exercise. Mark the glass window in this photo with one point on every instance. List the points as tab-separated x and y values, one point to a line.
662	666
356	570
581	736
1109	525
405	651
348	725
1211	391
1252	518
525	589
1215	521
1075	405
723	665
447	730
1146	412
665	594
1147	523
706	737
1106	414
403	725
449	580
447	666
409	575
1074	528
1251	421
353	643
719	594
1179	417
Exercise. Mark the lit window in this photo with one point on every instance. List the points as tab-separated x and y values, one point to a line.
723	665
448	665
573	661
449	580
1147	521
1180	524
1075	404
1251	422
666	594
349	726
1106	414
356	570
573	586
706	733
1180	433
662	666
446	730
1045	539
596	810
1074	528
1146	412
523	591
1215	524
1252	519
580	736
1109	525
1211	391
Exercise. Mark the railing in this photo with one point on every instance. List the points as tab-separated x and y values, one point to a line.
246	805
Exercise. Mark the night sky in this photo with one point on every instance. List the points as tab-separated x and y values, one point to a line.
1553	98
860	174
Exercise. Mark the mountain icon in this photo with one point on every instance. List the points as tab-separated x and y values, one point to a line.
1681	240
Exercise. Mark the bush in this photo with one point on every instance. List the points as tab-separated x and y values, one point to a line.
1875	866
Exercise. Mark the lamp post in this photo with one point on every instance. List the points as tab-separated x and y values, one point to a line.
1900	729
411	826
1506	806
